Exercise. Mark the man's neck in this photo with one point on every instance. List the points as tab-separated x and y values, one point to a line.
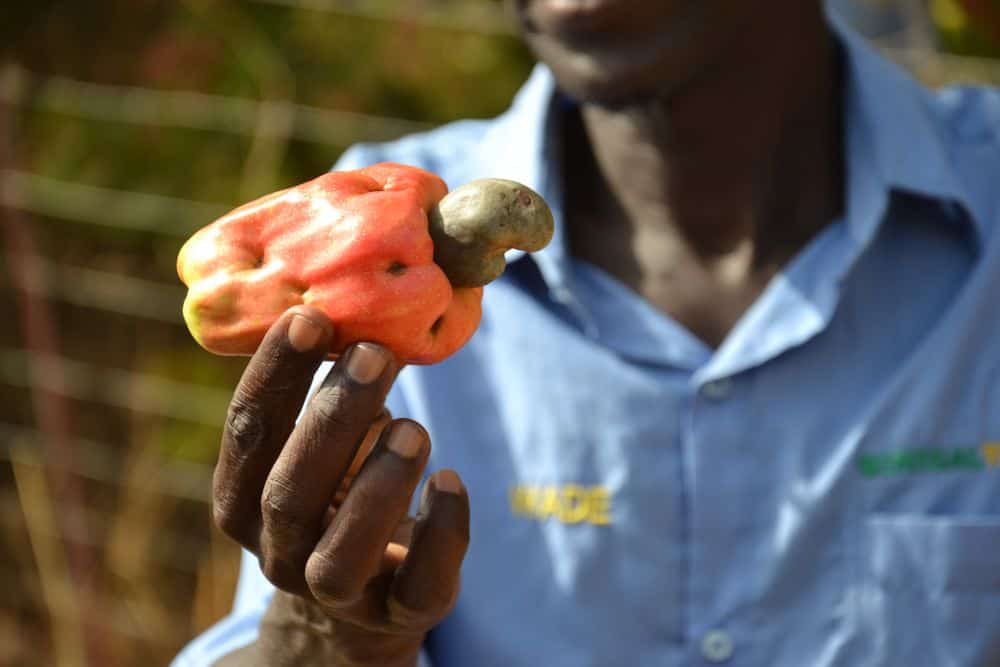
742	164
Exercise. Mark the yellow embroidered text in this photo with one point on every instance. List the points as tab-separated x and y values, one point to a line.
567	503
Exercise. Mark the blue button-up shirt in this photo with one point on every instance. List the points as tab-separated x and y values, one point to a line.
821	489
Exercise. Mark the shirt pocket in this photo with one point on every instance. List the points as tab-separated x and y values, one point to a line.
930	590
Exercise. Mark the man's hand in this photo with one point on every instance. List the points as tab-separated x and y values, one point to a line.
360	582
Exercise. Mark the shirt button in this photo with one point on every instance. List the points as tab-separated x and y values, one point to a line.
717	389
717	646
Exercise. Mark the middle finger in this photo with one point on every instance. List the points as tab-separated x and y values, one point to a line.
315	459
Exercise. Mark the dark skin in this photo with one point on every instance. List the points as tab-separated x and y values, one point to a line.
358	581
704	155
695	195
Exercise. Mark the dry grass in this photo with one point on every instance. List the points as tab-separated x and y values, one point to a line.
157	579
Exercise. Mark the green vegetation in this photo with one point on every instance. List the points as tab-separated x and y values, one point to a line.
127	125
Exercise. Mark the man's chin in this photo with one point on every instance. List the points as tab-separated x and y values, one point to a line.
612	79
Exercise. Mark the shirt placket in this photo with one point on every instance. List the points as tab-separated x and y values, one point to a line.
725	498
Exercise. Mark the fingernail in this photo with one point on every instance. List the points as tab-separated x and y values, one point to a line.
365	362
406	439
303	333
448	481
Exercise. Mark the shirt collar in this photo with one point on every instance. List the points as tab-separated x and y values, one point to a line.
894	140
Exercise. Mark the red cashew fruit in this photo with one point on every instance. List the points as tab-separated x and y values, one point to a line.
386	252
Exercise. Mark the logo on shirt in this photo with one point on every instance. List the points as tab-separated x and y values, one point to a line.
566	503
929	460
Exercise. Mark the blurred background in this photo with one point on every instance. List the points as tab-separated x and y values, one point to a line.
125	125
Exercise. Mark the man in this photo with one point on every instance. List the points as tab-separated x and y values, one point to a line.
740	410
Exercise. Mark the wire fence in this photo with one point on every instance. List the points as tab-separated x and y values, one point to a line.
196	110
115	560
484	18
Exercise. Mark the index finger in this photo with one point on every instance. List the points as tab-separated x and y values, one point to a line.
262	414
